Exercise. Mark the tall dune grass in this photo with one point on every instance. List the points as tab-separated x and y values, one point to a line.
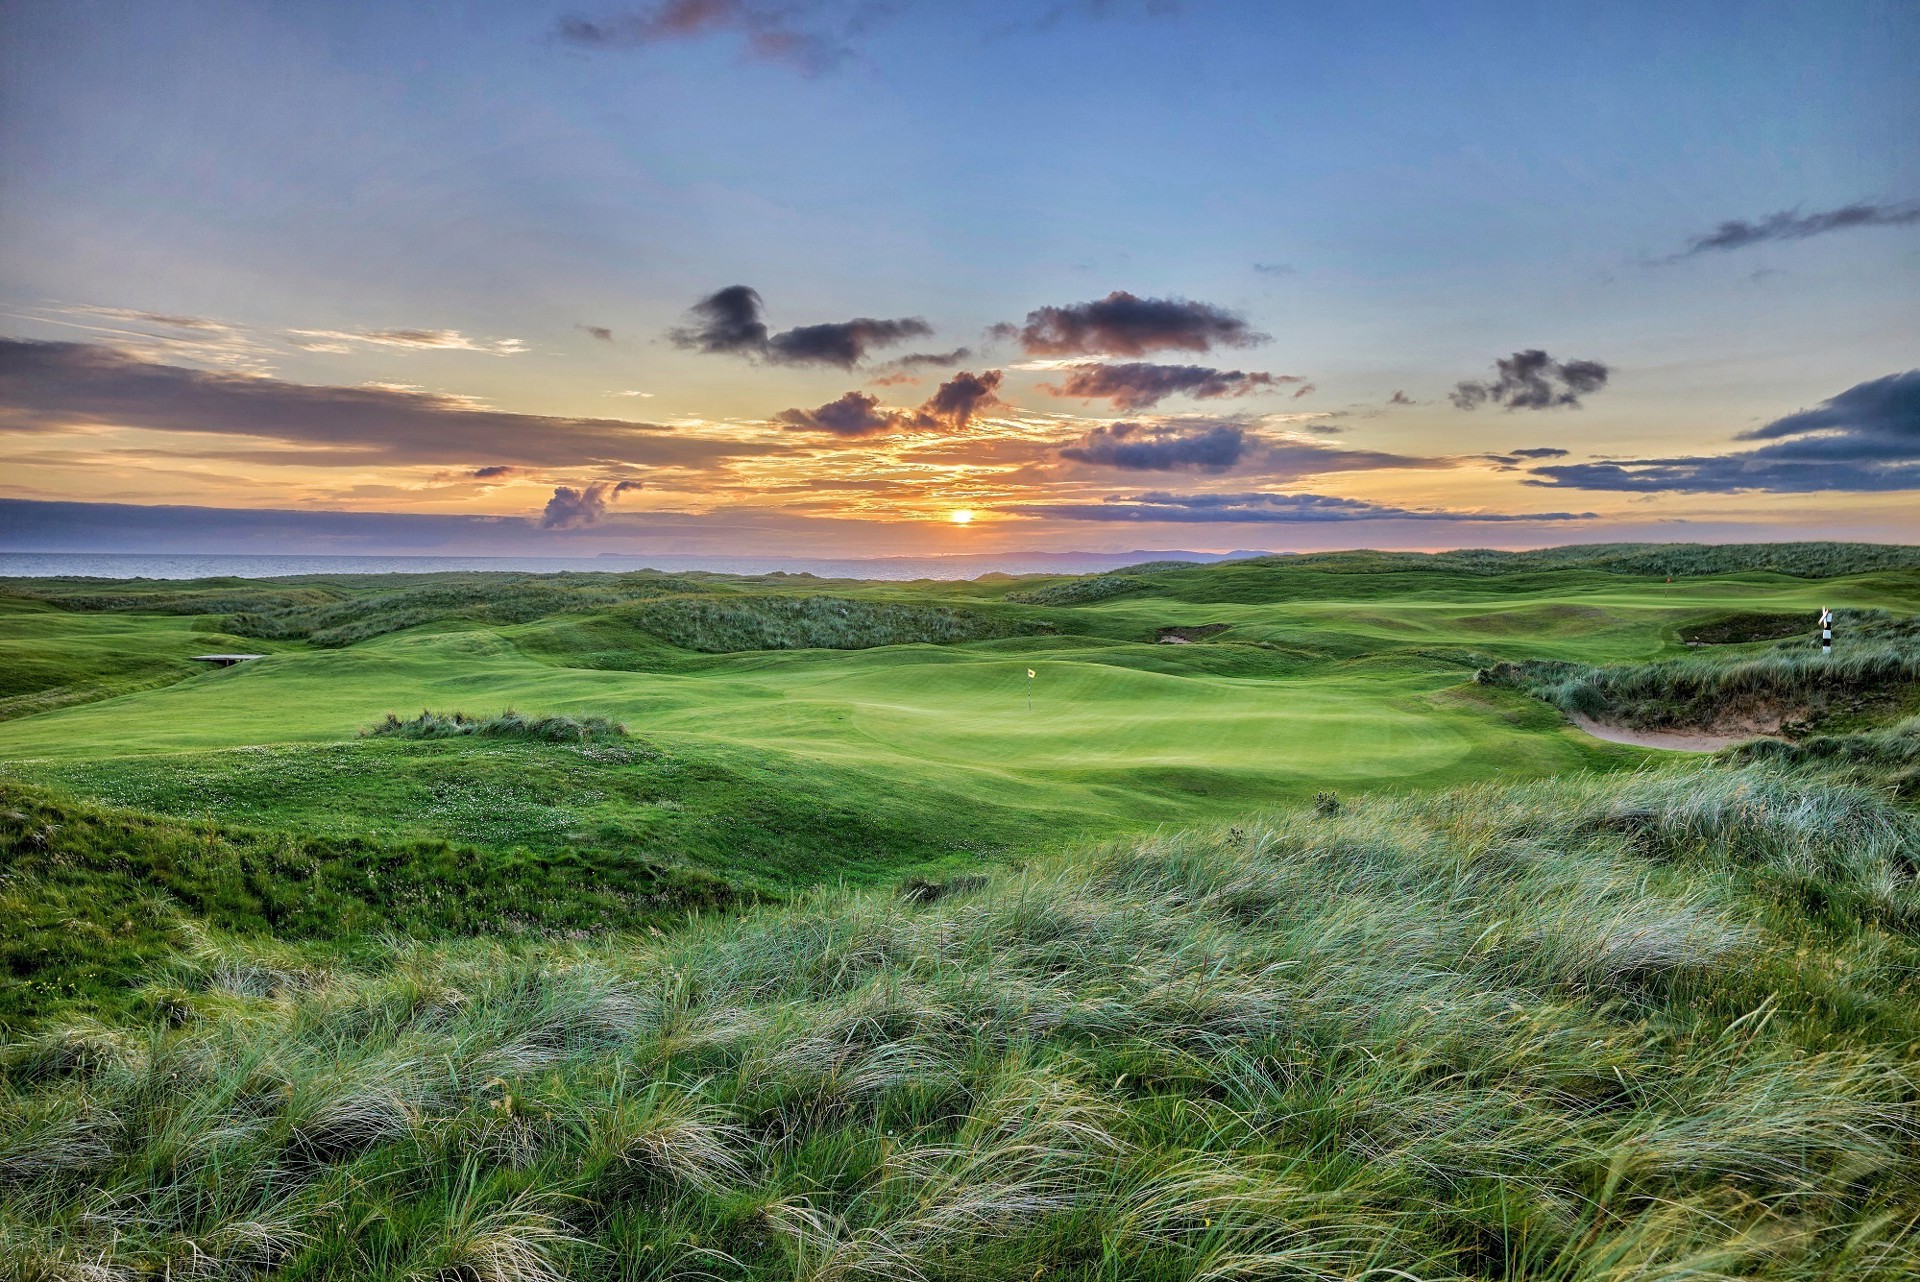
1601	1029
1794	684
764	621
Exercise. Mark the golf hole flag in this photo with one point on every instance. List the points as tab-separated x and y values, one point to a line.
1031	674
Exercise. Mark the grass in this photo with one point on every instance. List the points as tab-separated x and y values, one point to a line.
1792	687
1650	1026
1290	952
507	725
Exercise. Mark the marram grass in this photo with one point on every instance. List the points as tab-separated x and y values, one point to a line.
1658	1026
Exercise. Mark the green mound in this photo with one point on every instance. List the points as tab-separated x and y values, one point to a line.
723	625
1797	687
1081	591
508	725
1652	1027
93	896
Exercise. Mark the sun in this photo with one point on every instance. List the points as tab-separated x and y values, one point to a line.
961	516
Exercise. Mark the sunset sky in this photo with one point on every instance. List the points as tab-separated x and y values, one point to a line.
883	277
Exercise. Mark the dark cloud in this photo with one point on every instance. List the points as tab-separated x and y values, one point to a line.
1141	447
725	322
961	397
929	360
51	387
773	32
1401	398
952	408
570	508
1865	440
600	332
728	322
1258	508
1174	445
1306	389
855	414
1122	324
492	473
1514	460
1791	224
1138	386
1533	380
842	343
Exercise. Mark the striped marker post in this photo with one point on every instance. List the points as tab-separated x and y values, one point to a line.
1826	631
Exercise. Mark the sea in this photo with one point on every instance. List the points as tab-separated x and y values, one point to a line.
127	565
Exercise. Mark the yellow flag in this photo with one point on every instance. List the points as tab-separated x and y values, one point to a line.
1031	674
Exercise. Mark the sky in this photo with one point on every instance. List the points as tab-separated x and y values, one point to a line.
897	277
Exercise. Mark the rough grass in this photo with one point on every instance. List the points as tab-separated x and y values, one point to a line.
1082	591
724	625
508	725
1655	1027
93	897
1791	685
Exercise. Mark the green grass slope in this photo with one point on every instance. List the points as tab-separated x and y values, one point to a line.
1654	1026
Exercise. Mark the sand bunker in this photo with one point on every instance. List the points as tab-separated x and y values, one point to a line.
1673	740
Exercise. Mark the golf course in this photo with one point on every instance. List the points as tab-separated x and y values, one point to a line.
1266	918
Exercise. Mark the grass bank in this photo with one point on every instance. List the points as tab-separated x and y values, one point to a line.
1653	1026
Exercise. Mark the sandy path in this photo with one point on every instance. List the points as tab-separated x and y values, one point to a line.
1673	740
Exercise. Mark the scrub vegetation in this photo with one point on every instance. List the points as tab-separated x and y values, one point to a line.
1291	952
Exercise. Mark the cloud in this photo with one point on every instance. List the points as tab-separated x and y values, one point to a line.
1401	398
1140	447
171	320
1138	386
961	397
952	408
770	32
425	340
1183	445
1306	389
1276	269
1791	224
1865	440
728	322
1264	509
1514	460
855	414
493	472
600	332
1532	380
725	322
1122	324
570	508
52	387
841	343
928	360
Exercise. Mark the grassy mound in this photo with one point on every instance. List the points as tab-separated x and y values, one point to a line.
1778	687
1082	591
93	896
1657	1027
508	725
725	625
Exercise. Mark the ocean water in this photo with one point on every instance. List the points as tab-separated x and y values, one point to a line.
120	565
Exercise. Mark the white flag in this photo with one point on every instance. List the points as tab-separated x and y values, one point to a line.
1031	674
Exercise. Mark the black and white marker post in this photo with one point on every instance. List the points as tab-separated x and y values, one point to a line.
1826	631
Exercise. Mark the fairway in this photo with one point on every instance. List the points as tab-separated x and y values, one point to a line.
1309	681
